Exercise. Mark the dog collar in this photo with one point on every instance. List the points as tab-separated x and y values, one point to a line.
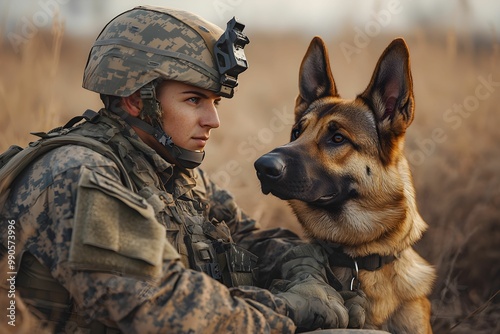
338	258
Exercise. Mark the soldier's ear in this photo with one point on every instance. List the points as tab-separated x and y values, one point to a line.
132	104
315	76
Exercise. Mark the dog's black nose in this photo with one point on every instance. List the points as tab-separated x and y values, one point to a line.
270	166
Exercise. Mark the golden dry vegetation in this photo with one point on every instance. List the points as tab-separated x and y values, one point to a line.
455	156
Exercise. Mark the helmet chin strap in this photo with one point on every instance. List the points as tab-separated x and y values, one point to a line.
175	154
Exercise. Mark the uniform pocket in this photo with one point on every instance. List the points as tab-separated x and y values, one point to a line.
115	230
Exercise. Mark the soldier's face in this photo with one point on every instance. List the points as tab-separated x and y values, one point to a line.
189	113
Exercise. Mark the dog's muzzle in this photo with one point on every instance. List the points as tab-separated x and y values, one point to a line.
270	169
283	176
289	175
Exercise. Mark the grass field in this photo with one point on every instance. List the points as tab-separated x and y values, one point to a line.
453	144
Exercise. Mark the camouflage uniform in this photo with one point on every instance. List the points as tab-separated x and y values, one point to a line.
43	202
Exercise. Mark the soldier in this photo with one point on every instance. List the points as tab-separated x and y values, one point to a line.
124	233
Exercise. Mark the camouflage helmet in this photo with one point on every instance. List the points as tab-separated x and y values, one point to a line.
146	43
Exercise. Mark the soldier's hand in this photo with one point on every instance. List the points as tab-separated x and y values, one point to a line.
356	304
313	304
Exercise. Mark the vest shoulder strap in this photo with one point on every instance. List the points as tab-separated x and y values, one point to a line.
18	159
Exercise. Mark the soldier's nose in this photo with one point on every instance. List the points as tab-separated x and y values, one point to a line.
210	117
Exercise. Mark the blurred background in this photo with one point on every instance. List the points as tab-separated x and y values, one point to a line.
453	145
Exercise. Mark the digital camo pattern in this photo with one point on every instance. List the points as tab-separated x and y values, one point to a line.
184	301
146	43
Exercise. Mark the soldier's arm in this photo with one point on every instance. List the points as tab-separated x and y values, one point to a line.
184	302
175	300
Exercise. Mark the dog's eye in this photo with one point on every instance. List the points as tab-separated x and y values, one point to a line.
338	138
295	134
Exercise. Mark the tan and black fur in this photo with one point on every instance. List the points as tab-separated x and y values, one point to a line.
347	180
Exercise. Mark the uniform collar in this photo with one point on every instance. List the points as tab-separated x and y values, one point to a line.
182	182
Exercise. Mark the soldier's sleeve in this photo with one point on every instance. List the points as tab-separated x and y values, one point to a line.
185	301
180	301
267	244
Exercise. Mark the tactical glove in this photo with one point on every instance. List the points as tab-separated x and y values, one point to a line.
356	304
311	302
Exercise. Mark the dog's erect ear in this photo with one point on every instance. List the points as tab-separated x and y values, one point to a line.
315	75
390	92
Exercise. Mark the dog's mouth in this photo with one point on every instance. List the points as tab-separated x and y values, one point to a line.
325	200
266	189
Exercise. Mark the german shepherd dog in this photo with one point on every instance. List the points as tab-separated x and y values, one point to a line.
346	178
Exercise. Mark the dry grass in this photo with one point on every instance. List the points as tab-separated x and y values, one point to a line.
458	183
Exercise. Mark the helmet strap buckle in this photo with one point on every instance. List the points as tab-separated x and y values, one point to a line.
151	106
148	92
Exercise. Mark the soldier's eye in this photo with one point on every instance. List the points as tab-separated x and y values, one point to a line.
194	99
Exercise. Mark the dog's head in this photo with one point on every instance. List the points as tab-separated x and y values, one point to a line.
343	171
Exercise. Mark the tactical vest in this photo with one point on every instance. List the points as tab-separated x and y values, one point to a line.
204	243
